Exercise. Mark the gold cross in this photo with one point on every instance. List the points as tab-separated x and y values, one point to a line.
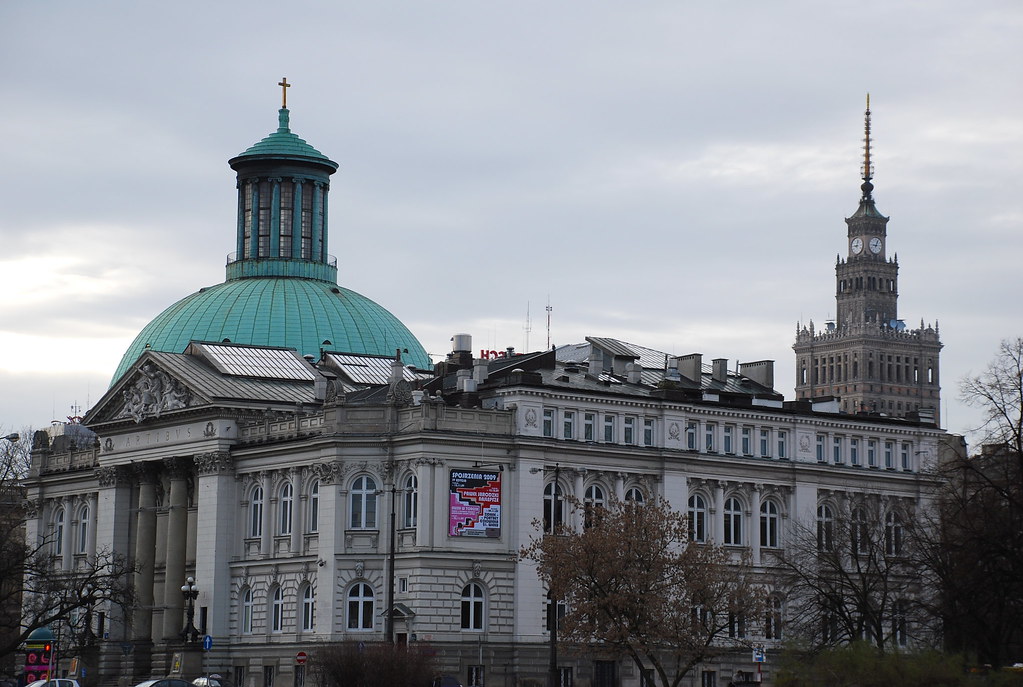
283	83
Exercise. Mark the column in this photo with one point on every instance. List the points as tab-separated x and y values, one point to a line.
217	538
299	510
579	493
718	520
145	551
620	486
266	523
177	530
275	219
67	539
754	534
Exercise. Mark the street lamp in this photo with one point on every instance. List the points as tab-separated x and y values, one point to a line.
88	637
191	592
14	436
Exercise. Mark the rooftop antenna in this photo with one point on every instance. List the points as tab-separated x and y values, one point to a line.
528	327
549	309
868	169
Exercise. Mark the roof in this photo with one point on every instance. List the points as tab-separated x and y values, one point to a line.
283	144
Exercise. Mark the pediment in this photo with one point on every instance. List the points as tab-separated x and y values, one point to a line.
148	390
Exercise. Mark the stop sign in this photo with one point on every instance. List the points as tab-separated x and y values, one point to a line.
300	658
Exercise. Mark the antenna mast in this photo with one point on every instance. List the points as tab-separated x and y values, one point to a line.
868	169
528	327
549	309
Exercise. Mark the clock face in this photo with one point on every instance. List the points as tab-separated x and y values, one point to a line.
857	245
875	245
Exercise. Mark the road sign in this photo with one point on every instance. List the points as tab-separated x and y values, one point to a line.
300	658
759	654
207	643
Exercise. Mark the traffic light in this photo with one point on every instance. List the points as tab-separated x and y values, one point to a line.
47	648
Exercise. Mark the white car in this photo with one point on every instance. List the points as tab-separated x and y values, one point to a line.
55	682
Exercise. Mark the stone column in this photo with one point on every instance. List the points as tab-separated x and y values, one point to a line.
179	470
67	539
718	520
217	538
266	523
299	506
330	538
145	551
754	530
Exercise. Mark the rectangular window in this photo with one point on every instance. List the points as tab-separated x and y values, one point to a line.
589	419
854	451
727	439
747	441
548	422
609	429
836	450
710	429
648	432
889	455
782	445
820	448
691	436
871	453
569	424
765	443
629	430
904	455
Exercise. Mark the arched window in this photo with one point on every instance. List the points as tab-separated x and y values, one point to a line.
285	508
825	528
773	618
553	507
411	501
635	496
308	608
364	503
256	513
697	518
83	530
892	534
733	521
247	608
277	611
593	503
360	607
314	507
860	535
58	532
472	607
769	524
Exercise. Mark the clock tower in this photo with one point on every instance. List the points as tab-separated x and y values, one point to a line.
867	357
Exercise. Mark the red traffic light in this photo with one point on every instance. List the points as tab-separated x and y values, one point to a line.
48	647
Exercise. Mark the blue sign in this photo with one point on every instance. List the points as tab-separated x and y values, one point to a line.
207	643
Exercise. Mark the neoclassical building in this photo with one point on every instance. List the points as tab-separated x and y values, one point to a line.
286	444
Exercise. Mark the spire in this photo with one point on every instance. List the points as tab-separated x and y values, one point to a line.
868	169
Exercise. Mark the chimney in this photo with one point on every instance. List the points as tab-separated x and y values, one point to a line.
760	371
480	371
465	382
596	362
634	372
691	366
720	373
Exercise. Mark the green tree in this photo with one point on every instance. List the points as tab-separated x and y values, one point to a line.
633	584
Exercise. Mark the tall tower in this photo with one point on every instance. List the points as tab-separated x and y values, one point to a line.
867	357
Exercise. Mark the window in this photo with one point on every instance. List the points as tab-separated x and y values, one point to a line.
83	530
825	528
553	507
904	456
860	535
247	611
697	518
360	607
782	445
277	611
871	453
410	499
58	532
593	504
899	634
820	448
562	610
889	455
769	524
648	432
285	505
364	503
747	441
709	430
634	495
308	608
314	507
854	451
736	625
569	424
892	534
589	420
836	450
548	422
773	619
733	521
629	430
765	443
691	436
609	429
727	439
472	607
256	513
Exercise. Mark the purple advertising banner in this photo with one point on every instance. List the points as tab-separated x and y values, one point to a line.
475	504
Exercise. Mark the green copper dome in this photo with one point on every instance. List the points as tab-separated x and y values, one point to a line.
296	313
281	287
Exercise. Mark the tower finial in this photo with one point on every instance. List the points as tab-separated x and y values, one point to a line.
283	83
868	170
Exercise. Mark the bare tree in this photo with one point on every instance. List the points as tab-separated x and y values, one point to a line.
998	392
633	584
851	576
355	664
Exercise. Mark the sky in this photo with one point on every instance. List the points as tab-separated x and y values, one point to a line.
670	173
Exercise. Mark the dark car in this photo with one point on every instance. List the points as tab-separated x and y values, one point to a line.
446	681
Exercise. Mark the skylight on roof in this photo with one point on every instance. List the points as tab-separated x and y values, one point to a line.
266	363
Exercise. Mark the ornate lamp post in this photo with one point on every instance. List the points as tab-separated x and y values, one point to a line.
191	592
88	637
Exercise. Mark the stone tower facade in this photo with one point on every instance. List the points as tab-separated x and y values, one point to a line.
867	357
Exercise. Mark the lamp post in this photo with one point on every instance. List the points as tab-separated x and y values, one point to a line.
12	437
191	592
88	637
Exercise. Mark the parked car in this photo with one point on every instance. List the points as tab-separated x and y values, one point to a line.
164	682
55	682
213	680
446	681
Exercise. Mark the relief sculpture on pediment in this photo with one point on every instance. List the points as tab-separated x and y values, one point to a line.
152	392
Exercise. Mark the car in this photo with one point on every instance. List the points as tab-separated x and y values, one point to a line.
446	681
164	682
55	682
213	680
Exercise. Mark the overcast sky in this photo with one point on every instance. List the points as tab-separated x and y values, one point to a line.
670	173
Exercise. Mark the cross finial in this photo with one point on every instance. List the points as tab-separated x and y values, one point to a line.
283	83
